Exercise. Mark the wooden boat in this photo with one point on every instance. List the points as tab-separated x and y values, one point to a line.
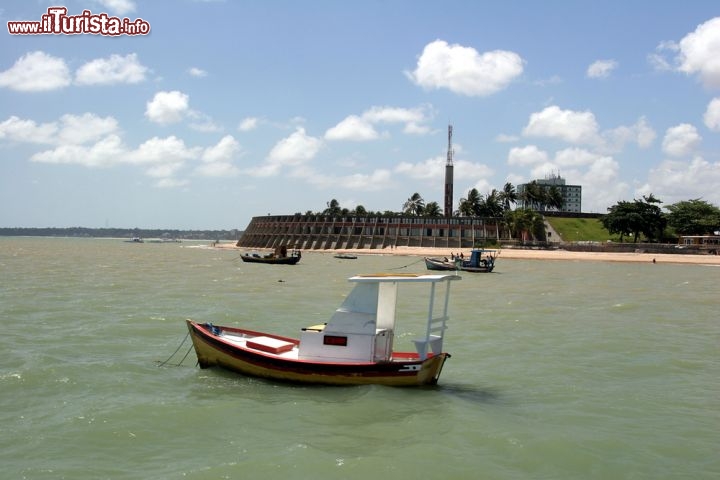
354	347
481	261
346	256
441	264
279	257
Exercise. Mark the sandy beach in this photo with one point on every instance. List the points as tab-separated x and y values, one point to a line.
526	254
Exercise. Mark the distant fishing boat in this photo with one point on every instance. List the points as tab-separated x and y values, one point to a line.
354	347
481	261
346	256
279	257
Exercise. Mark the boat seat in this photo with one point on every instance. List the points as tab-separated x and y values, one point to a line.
270	345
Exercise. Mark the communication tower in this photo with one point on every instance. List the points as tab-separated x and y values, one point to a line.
449	176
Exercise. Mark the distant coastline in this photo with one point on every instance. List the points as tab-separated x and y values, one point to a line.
82	232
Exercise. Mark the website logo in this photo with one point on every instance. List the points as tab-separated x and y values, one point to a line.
57	22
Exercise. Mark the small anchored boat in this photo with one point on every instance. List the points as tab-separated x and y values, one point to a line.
355	347
279	257
481	261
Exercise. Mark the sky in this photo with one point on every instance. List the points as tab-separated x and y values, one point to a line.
217	111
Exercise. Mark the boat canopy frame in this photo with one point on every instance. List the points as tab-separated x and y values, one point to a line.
386	302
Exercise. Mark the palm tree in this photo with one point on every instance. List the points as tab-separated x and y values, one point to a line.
554	198
414	205
493	204
526	224
470	206
508	195
465	208
533	196
333	208
432	209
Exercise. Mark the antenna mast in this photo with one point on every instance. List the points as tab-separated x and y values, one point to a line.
449	177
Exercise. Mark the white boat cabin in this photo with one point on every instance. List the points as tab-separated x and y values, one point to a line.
362	329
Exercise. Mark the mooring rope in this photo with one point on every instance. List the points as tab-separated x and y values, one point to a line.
184	357
162	364
408	265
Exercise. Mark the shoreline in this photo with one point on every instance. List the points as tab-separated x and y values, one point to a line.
522	254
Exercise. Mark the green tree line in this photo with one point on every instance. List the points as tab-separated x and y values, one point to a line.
638	218
645	217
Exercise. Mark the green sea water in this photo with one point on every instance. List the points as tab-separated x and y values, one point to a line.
559	370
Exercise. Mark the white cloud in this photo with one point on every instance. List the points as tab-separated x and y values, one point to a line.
412	128
71	129
171	183
712	115
27	131
640	133
380	179
104	153
202	122
162	150
428	169
119	7
681	140
292	151
225	150
248	124
168	107
603	169
700	53
85	128
295	149
36	72
217	169
394	115
578	157
567	125
111	71
601	68
504	138
524	156
164	170
465	71
217	160
92	141
352	128
471	170
658	62
433	168
601	185
197	72
673	181
543	170
362	128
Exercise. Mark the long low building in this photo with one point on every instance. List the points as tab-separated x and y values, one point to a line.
318	232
